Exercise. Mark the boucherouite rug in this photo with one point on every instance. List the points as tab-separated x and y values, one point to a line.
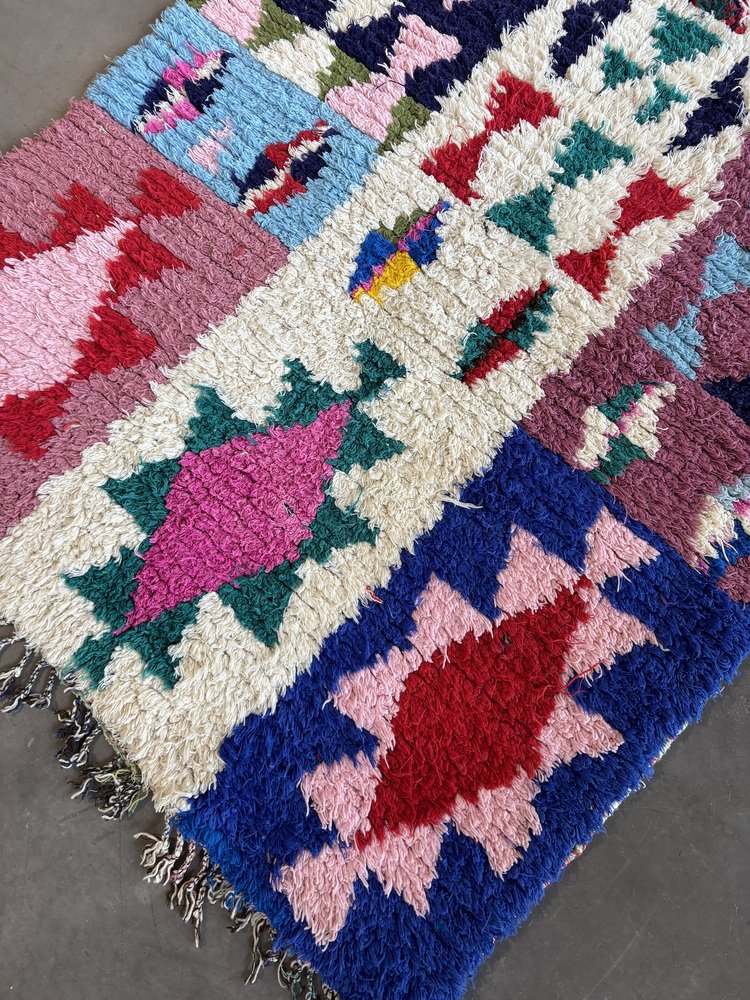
375	450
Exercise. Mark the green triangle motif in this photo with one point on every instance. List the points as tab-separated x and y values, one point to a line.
151	640
334	528
142	494
91	658
214	423
259	601
406	115
478	343
303	399
364	444
532	320
664	95
614	408
482	338
587	151
401	226
621	453
617	68
275	25
377	367
678	38
342	72
109	587
526	216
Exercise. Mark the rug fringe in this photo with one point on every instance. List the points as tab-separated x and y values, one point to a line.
117	788
115	785
19	684
185	868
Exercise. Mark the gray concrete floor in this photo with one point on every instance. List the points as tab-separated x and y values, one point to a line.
659	907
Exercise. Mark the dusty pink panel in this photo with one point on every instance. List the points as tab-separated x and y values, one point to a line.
112	262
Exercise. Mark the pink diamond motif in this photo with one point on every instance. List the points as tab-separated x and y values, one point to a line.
237	509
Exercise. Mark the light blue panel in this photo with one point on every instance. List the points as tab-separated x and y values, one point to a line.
260	107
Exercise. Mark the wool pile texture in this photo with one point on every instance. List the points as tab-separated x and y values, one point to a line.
375	450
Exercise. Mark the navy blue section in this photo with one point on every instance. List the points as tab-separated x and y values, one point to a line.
255	818
477	26
582	26
370	43
308	168
154	96
262	170
200	92
714	113
734	392
312	12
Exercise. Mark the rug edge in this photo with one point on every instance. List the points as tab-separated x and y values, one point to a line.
117	789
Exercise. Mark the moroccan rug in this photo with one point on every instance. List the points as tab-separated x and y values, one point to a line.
375	450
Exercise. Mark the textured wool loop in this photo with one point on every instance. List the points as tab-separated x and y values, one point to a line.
375	451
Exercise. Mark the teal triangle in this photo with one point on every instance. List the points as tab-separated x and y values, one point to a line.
334	528
214	423
621	453
614	407
153	639
585	152
91	658
109	587
526	216
617	68
663	96
532	321
478	342
678	38
377	367
303	398
143	494
364	444
259	601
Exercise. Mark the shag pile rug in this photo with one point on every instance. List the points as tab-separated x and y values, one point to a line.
375	450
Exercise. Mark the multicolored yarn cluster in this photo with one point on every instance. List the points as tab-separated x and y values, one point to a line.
375	436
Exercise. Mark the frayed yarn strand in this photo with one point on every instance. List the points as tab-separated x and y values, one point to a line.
171	860
161	856
302	982
189	896
79	729
116	787
185	868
